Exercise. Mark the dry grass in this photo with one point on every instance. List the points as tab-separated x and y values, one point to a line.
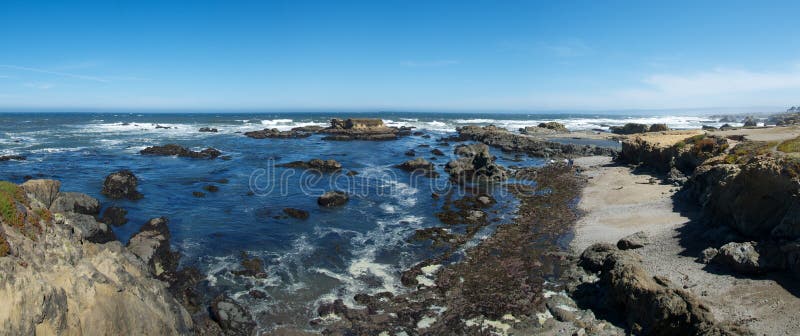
790	146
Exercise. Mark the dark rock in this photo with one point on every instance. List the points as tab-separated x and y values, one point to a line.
352	173
333	199
121	184
115	216
89	229
629	128
234	319
658	128
475	164
12	157
419	165
740	257
410	152
362	129
556	126
211	188
750	122
634	241
437	152
75	202
151	244
296	213
594	256
198	194
163	127
252	266
208	129
325	166
511	142
274	133
177	150
709	128
257	294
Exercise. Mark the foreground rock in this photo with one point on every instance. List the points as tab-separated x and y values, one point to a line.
57	282
233	319
151	245
511	142
362	129
648	305
121	184
475	164
87	228
180	151
325	166
75	202
44	191
419	166
333	199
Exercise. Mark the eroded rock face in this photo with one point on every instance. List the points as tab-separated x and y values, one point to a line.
475	164
177	150
333	199
121	184
151	245
57	282
86	227
46	191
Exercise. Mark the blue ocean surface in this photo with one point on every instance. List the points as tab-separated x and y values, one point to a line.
335	253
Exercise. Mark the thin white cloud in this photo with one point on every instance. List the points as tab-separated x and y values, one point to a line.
39	86
56	73
427	64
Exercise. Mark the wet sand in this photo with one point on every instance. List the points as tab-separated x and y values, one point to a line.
618	202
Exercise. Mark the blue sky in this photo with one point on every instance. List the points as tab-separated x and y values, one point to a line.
398	55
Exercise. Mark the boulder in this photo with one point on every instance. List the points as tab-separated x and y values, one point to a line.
180	151
45	191
251	266
151	245
629	128
556	126
750	122
12	157
410	152
594	256
419	165
708	255
87	228
296	213
437	152
333	199
633	241
114	216
208	129
658	128
75	202
475	164
274	133
121	184
740	257
234	319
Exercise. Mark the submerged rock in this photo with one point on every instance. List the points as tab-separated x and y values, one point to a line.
419	165
12	157
274	133
121	184
333	199
180	151
296	213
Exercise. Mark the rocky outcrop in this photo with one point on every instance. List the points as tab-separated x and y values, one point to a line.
475	164
325	166
87	228
121	184
233	319
333	199
274	133
296	213
44	191
510	142
208	130
12	158
55	281
180	151
658	128
362	129
419	166
684	155
556	126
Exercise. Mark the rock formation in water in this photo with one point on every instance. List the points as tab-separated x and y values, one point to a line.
121	184
180	151
511	142
362	129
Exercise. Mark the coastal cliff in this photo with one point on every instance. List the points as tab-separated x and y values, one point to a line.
60	278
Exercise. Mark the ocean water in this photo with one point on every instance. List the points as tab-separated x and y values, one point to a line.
337	252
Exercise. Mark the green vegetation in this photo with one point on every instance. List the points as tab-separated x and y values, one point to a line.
790	146
745	151
13	212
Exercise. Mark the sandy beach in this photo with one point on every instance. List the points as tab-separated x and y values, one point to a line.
618	202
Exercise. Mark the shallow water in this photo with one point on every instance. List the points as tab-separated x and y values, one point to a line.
337	252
